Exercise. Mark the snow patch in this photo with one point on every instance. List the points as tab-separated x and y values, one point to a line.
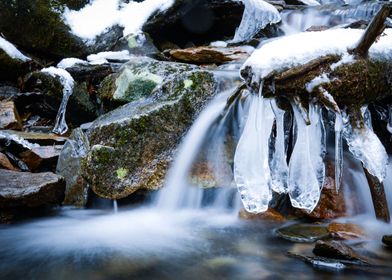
317	81
70	62
12	51
104	57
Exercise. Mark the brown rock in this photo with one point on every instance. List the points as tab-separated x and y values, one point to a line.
387	240
346	231
269	215
24	189
332	204
42	155
39	138
9	117
337	250
209	55
6	164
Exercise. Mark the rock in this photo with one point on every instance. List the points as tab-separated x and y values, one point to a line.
269	215
89	72
35	137
9	117
68	165
23	189
8	92
337	250
138	78
132	146
41	157
139	44
387	240
81	106
210	55
11	68
6	164
200	22
303	232
332	204
345	231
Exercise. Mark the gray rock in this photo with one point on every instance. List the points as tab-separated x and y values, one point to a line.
23	189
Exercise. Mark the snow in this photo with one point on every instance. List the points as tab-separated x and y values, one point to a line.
68	84
97	17
103	57
219	44
257	15
298	49
346	59
12	51
70	62
317	81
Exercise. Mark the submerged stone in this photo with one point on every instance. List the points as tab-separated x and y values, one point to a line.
303	232
24	189
337	250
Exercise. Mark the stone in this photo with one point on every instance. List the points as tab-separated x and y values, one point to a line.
37	138
139	44
269	215
132	146
387	240
210	55
68	165
138	78
24	189
8	92
303	232
42	156
6	164
345	231
337	250
11	68
9	117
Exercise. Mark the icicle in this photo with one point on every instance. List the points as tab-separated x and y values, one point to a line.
306	167
365	146
257	15
389	125
338	150
278	164
68	83
251	170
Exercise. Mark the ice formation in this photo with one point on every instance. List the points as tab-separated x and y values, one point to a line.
364	144
389	124
12	51
257	15
338	149
278	164
251	168
70	62
68	83
98	16
306	167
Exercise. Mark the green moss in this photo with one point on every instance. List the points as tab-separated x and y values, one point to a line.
121	173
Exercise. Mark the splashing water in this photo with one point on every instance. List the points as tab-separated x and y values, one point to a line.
68	83
251	170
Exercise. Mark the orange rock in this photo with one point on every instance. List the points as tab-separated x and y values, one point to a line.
345	231
269	215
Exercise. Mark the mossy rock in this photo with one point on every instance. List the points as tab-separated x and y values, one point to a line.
133	145
137	79
10	68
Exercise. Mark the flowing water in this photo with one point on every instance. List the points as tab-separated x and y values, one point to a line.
191	228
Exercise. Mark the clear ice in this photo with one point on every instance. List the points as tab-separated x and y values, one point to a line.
364	144
257	15
68	82
278	163
389	125
251	168
306	167
338	150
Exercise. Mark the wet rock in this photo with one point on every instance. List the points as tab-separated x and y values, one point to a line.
132	146
35	137
139	44
138	78
6	164
269	215
200	22
210	55
345	231
387	240
8	92
9	117
41	157
23	189
89	72
81	106
11	68
303	232
332	204
68	165
337	250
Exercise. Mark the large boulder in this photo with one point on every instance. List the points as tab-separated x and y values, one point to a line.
132	146
23	189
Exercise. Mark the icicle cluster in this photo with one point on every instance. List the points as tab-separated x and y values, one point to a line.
261	164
